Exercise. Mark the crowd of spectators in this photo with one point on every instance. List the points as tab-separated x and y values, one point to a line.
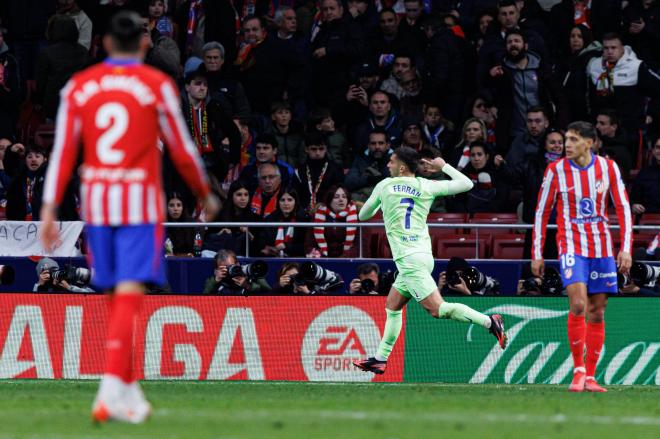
296	105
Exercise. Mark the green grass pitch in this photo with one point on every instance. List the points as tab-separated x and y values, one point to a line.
60	409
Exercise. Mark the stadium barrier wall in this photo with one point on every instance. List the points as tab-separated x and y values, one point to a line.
316	338
538	350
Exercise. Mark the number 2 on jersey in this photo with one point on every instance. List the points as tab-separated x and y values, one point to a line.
113	118
411	203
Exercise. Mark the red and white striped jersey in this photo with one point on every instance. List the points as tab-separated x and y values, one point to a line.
118	110
582	197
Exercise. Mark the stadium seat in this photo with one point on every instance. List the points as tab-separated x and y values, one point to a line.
446	218
370	236
649	219
461	246
497	217
508	246
383	249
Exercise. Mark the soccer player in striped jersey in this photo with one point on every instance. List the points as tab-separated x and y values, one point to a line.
405	201
118	110
581	184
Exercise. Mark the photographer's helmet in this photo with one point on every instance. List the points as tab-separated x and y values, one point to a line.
47	264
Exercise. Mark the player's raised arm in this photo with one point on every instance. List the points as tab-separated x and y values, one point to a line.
459	183
546	201
622	207
372	204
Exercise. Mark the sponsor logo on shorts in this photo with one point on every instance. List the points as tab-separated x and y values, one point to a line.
337	337
610	284
594	275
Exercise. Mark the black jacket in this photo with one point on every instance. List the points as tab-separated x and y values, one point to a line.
229	93
17	197
549	95
334	175
443	72
633	81
646	43
57	63
344	44
10	97
574	81
645	188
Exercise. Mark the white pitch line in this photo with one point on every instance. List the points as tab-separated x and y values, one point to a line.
475	417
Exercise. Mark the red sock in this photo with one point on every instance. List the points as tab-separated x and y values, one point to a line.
595	339
576	338
119	345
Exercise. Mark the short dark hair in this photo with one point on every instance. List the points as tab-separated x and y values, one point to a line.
279	105
35	149
408	156
126	30
429	152
379	130
266	138
315	138
612	36
482	145
539	109
387	10
506	3
515	31
584	129
611	114
369	267
253	17
317	115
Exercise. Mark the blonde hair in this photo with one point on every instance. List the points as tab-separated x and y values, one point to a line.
482	126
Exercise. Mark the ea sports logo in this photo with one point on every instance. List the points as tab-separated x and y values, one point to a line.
337	337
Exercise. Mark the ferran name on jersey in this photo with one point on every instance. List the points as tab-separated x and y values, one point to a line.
406	190
411	238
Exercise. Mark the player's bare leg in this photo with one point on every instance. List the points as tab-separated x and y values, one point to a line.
119	396
595	337
394	309
577	330
441	309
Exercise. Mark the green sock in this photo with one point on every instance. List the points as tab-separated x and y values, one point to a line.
390	334
463	313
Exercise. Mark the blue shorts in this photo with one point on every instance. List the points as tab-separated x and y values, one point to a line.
126	253
598	274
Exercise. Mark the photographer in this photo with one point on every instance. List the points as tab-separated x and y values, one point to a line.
548	285
288	281
370	281
462	279
642	281
54	280
230	278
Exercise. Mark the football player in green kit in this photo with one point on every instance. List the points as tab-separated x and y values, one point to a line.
405	201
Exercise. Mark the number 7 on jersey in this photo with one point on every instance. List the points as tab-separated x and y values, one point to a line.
411	203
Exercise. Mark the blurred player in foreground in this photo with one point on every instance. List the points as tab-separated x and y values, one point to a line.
581	184
405	201
118	110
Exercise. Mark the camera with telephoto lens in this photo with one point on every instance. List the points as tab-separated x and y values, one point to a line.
479	283
71	274
312	273
255	270
367	286
644	274
550	283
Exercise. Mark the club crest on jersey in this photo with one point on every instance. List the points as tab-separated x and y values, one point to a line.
587	207
600	186
568	273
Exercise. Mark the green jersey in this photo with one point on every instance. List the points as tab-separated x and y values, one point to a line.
405	202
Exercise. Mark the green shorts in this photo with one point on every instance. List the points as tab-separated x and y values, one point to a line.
415	276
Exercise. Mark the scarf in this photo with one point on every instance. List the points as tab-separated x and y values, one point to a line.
29	192
605	83
245	59
433	137
314	190
257	202
194	14
199	127
284	238
350	215
650	250
581	14
465	157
